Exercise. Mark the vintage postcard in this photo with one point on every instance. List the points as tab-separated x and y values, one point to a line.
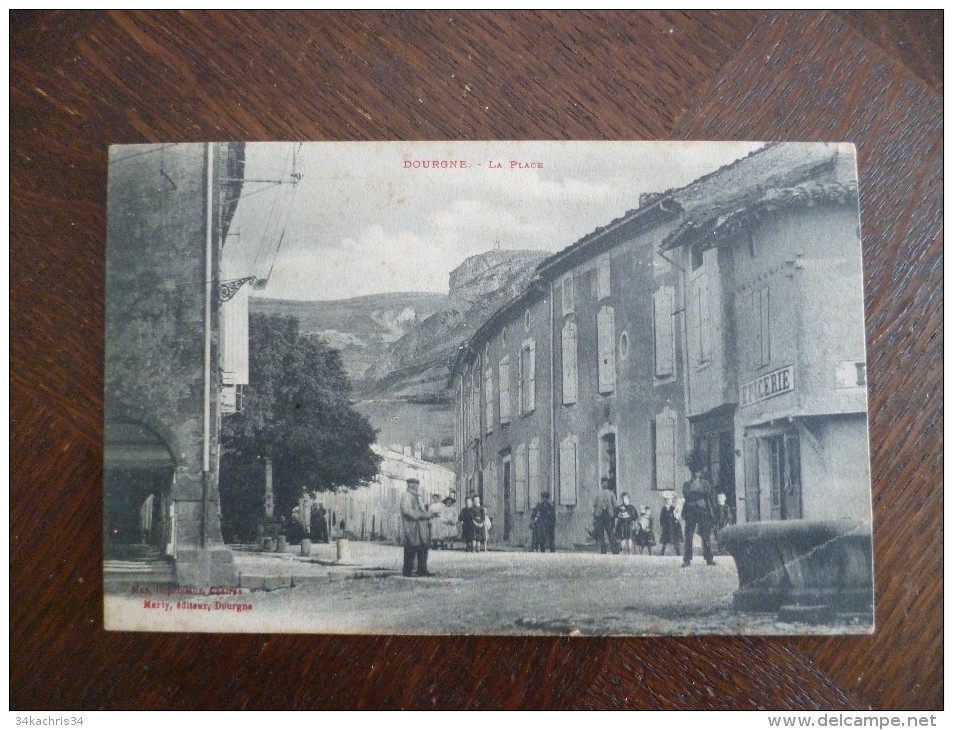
576	388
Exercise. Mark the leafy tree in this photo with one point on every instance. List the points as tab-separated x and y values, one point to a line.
297	411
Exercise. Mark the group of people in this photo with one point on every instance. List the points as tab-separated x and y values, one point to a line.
435	525
617	527
620	527
299	530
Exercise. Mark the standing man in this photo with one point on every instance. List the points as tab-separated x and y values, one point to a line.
319	522
544	524
603	514
415	529
697	511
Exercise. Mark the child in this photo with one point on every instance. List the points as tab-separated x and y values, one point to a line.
671	527
724	516
645	538
624	521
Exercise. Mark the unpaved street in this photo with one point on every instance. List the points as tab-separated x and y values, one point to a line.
486	593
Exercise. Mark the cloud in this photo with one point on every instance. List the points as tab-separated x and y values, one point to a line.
360	223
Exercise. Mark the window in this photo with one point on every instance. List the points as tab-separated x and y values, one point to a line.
701	322
664	332
624	345
784	465
569	299
465	408
475	404
752	249
488	398
503	338
567	471
527	383
526	320
663	459
604	278
570	364
505	390
519	479
760	345
532	456
608	459
764	307
605	333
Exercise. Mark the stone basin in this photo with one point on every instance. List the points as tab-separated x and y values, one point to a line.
802	563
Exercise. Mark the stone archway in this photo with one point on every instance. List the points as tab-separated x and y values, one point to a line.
138	472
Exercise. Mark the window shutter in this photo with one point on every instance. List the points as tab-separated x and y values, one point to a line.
752	481
519	383
519	482
475	405
570	366
505	390
605	328
531	379
488	398
604	279
567	471
665	452
569	299
533	458
704	322
765	307
664	333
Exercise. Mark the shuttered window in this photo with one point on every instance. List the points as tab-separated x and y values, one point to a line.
570	365
505	390
488	398
665	452
569	298
519	479
527	394
664	333
532	457
605	326
752	481
604	278
475	405
704	321
567	471
764	302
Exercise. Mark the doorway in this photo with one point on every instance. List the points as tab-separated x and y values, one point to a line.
784	475
507	498
608	459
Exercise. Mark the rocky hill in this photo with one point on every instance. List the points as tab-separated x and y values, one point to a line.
362	328
416	368
397	348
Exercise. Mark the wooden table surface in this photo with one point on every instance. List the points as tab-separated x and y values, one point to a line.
80	81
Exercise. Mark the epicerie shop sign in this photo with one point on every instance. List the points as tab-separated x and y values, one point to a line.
775	383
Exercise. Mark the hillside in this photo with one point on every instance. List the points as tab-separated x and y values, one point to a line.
397	347
362	328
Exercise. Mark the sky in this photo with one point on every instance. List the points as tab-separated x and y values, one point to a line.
353	219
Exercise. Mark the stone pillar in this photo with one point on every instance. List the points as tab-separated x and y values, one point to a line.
269	491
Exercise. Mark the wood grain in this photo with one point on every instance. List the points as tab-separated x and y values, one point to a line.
80	81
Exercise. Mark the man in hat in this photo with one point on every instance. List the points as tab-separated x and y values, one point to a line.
603	515
415	529
697	511
319	522
543	521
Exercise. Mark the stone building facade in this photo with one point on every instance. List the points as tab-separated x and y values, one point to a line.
169	210
724	317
